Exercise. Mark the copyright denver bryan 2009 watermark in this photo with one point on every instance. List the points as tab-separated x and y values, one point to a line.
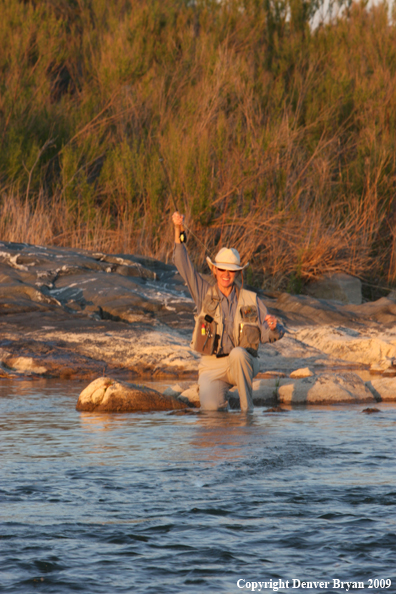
296	584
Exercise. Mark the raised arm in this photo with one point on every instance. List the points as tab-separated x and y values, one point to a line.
196	284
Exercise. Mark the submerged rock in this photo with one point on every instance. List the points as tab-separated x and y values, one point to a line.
110	396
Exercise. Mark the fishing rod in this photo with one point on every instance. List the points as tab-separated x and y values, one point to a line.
183	236
183	228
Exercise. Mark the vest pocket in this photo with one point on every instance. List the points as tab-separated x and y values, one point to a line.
249	314
205	338
249	338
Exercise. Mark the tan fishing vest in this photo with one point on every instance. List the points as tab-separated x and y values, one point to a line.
209	327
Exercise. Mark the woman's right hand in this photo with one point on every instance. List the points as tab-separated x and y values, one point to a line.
177	219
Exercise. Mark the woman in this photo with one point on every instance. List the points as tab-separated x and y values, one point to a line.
230	324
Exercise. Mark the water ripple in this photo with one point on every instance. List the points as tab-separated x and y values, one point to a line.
191	503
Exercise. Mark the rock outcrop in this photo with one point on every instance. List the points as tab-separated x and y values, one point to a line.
354	345
338	287
106	395
72	313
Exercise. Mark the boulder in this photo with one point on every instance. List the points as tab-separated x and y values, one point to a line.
383	388
191	396
327	388
337	287
110	396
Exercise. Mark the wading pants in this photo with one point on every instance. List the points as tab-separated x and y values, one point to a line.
218	375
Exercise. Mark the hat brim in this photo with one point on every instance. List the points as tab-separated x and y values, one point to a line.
225	265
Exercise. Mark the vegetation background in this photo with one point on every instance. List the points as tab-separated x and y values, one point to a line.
276	137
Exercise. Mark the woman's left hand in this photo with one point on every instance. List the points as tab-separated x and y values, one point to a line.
271	321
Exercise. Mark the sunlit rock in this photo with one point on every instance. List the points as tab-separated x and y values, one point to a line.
303	372
383	388
107	395
385	366
76	313
325	389
26	365
191	396
366	347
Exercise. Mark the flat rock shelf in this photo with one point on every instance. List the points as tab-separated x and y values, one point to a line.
76	314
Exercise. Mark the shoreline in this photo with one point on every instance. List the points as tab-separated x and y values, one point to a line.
73	314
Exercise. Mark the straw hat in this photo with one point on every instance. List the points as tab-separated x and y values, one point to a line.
227	259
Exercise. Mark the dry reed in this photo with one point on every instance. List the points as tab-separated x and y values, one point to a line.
278	139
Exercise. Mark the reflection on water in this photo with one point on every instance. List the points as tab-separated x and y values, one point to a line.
100	422
165	502
221	435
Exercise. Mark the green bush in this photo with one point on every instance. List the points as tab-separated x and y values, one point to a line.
276	136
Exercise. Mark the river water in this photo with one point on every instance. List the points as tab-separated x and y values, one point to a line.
193	503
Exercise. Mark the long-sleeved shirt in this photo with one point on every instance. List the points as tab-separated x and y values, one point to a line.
198	287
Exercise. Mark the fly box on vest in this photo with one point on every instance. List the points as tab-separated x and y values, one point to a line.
249	331
206	339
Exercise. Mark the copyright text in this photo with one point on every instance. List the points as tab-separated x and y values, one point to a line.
293	584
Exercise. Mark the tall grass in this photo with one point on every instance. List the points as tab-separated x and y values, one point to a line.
276	138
